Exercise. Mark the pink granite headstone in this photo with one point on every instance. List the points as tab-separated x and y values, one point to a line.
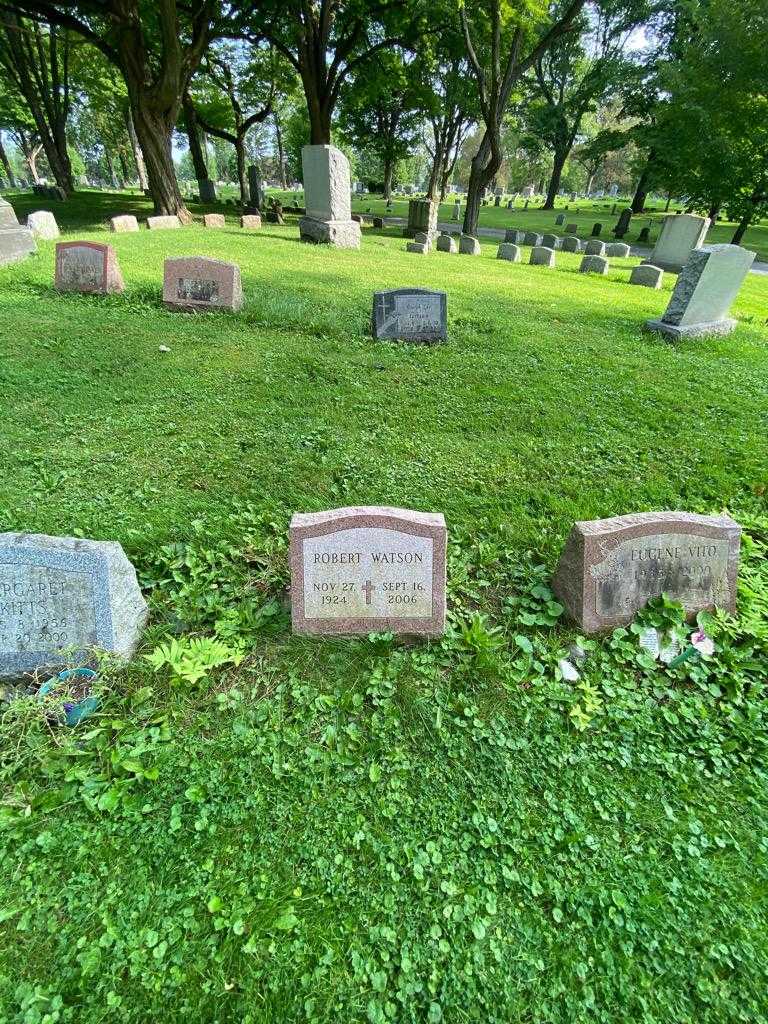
213	220
250	220
610	568
197	283
87	267
124	222
368	569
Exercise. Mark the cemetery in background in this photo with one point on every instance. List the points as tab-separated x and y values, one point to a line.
383	577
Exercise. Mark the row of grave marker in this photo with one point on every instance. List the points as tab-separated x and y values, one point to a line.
359	570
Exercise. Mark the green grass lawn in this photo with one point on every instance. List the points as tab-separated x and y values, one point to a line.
370	830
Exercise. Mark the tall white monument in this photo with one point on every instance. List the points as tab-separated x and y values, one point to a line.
326	196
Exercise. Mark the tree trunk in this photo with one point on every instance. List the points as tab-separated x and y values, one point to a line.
482	169
744	223
669	202
319	113
714	210
124	172
641	192
389	170
242	175
154	136
30	155
138	156
436	173
110	167
7	166
554	181
590	180
195	144
280	152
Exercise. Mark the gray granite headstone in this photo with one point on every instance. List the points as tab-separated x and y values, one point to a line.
43	225
611	568
705	289
410	314
16	242
61	598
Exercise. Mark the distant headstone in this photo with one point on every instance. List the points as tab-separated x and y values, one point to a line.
410	314
531	238
358	218
63	597
705	289
514	236
525	206
647	276
613	190
328	218
418	247
593	265
622	225
542	256
43	225
446	243
456	211
594	247
510	204
469	245
645	235
560	218
157	223
508	251
16	241
214	220
422	216
571	229
551	241
88	267
596	229
619	249
250	220
124	223
196	283
369	569
679	236
423	237
378	222
611	568
571	244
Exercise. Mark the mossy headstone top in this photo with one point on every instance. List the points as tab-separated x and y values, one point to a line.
368	569
61	598
611	568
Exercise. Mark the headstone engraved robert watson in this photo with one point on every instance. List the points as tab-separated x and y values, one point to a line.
198	283
61	597
410	314
610	568
370	569
87	267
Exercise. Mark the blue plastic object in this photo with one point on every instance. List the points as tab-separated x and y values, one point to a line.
73	712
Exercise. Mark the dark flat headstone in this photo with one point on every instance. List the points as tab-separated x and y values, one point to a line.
610	568
370	569
63	597
410	314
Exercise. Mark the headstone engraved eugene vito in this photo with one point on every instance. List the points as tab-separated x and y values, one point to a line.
88	267
410	314
61	597
198	283
369	569
610	568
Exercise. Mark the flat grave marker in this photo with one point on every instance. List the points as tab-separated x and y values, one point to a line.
368	569
123	223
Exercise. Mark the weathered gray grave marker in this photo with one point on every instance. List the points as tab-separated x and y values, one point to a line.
43	225
610	568
61	597
369	569
16	241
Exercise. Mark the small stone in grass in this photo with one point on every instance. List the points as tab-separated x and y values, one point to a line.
164	348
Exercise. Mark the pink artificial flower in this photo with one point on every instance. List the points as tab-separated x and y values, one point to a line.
703	644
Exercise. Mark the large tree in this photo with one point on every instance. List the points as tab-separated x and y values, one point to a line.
36	59
329	40
157	47
451	111
503	41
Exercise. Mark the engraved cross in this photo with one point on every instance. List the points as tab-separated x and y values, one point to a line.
368	589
